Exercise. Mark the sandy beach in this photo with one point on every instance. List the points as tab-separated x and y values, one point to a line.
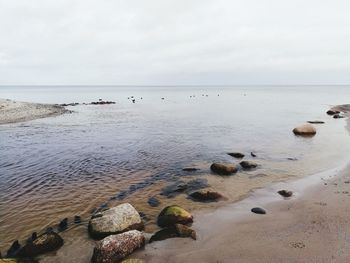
15	111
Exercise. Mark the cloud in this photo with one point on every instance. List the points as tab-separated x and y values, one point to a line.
174	42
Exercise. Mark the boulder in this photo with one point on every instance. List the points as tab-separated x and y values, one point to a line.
223	169
115	220
42	244
206	196
305	130
236	155
285	193
247	165
116	247
172	215
178	230
258	210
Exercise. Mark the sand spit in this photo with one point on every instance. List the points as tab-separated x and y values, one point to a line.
15	111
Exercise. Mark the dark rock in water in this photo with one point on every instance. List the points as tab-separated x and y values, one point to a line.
49	229
332	112
258	210
247	165
253	154
101	102
154	202
223	169
285	193
236	155
172	215
116	247
292	159
316	122
115	220
77	219
338	116
190	169
182	187
63	225
133	100
13	250
32	237
206	196
178	230
44	243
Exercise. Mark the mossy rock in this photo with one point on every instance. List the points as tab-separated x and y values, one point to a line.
223	169
8	260
172	215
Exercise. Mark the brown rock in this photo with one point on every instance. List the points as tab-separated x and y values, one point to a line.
305	130
223	169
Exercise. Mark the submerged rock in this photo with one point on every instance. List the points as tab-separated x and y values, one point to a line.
206	196
180	187
115	220
13	250
258	210
253	154
236	155
178	230
223	169
116	247
247	165
190	169
77	219
305	130
154	202
338	116
332	112
172	215
316	122
63	225
42	244
285	193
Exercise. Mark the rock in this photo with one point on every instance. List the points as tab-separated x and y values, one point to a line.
236	155
133	260
13	250
178	230
116	247
154	202
77	219
44	243
206	196
223	169
253	154
172	215
258	210
332	112
115	220
63	225
285	193
190	169
316	122
180	187
32	237
247	165
338	116
305	130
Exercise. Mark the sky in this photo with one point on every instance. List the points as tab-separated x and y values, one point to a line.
174	42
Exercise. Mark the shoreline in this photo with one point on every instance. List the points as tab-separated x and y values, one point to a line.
310	226
16	111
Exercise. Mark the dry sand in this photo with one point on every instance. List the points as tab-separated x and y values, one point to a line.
14	111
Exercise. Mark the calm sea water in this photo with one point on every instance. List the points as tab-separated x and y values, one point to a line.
103	155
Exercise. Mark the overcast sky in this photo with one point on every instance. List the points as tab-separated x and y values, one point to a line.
174	42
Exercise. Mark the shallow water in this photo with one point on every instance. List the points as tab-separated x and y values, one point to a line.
103	155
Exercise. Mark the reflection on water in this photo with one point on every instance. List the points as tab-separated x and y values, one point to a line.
102	155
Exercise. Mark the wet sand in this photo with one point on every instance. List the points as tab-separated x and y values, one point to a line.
312	226
15	111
